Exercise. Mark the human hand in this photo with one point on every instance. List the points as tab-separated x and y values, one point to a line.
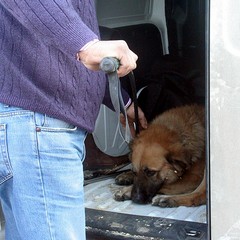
93	55
131	119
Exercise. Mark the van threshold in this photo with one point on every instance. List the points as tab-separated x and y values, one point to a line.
111	225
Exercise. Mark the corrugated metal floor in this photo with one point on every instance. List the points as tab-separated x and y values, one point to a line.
99	195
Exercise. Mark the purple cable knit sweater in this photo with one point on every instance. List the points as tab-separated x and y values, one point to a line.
39	41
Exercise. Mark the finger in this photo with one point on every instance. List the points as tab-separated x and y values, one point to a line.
132	130
142	119
125	70
122	120
127	64
143	122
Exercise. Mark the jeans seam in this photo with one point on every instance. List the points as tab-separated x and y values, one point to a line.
43	190
14	113
4	151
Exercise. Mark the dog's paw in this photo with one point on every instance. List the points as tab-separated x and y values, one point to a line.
164	201
125	178
123	194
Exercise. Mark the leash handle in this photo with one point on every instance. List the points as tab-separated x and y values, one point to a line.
110	66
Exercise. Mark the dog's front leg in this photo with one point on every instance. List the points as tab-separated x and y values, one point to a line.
195	198
123	194
125	178
188	200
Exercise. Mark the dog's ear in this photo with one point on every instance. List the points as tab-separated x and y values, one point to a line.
178	153
179	165
132	145
136	151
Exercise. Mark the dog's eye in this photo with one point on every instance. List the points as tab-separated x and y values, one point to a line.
149	172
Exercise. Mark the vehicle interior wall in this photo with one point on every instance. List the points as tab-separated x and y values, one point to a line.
169	39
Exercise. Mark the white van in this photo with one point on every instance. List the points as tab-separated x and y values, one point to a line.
202	38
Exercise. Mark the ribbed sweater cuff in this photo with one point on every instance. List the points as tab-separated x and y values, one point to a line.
74	37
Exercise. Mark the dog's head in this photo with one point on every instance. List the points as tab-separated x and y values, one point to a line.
154	164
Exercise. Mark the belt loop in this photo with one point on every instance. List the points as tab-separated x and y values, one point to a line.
39	119
44	120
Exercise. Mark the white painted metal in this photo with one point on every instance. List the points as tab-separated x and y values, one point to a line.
224	118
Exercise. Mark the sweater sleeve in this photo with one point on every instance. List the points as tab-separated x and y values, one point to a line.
55	20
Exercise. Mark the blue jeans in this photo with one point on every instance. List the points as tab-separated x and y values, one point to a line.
41	176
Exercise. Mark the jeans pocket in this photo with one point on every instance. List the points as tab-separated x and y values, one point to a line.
49	124
5	166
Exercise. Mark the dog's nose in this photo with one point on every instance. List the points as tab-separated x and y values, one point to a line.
140	197
140	200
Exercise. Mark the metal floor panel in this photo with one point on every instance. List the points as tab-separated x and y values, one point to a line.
99	195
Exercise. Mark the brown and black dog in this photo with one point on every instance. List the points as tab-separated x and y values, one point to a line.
168	161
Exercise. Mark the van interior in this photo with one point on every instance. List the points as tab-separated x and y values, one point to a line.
169	37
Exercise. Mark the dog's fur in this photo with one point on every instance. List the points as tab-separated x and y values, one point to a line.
168	160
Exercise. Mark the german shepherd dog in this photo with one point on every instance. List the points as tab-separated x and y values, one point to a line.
168	161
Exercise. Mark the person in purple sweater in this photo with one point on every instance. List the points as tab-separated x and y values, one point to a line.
51	89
